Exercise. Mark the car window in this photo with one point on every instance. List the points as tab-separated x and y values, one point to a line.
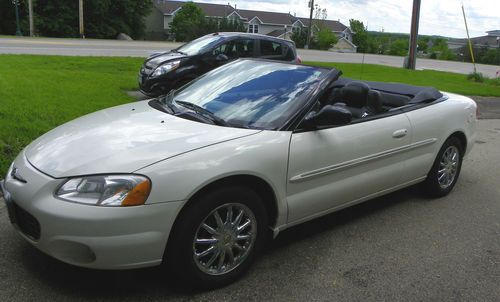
271	49
288	51
200	45
246	94
244	48
240	48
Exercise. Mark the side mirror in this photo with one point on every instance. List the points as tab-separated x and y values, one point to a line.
330	115
221	58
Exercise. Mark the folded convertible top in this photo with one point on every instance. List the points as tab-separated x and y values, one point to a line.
417	94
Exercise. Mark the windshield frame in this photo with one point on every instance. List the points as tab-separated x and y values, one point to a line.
301	101
214	41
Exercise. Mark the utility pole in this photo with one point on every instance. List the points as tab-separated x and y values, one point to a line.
30	12
80	10
309	29
18	26
412	52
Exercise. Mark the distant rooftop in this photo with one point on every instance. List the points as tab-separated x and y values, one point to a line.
495	33
169	7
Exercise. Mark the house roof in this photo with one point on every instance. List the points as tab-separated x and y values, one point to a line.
490	41
331	24
266	17
168	7
276	33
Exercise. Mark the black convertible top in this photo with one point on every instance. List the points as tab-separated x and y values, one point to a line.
416	94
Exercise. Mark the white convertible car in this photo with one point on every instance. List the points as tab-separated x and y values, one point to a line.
200	178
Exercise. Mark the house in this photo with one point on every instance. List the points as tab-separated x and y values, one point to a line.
491	40
281	25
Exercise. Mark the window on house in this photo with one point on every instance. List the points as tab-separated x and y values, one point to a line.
253	28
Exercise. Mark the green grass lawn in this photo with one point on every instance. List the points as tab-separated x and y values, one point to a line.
38	93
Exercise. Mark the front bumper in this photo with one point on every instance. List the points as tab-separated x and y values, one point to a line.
88	236
156	86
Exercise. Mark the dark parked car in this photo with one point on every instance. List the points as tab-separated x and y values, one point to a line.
163	72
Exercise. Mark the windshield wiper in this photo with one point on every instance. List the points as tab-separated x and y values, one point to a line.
166	100
204	112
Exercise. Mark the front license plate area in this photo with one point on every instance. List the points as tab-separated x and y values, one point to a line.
10	206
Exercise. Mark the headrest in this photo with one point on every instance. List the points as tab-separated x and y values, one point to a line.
355	94
374	101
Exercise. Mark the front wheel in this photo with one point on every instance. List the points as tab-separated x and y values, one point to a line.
446	168
217	237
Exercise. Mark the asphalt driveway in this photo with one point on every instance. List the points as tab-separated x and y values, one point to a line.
400	247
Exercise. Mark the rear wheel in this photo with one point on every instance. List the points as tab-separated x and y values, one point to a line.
217	237
446	169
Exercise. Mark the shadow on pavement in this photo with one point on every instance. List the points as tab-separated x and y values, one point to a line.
154	283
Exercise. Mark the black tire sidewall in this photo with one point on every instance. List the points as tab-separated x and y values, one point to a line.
179	255
431	184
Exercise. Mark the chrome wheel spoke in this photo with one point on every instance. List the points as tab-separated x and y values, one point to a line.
230	255
206	241
212	259
243	226
229	216
218	219
448	167
222	257
229	241
243	237
238	218
209	229
205	252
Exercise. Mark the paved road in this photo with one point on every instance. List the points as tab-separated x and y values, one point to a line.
402	247
90	47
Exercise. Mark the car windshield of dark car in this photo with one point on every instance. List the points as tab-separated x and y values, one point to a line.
199	45
253	94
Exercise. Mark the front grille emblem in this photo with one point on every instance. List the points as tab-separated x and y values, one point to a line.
15	174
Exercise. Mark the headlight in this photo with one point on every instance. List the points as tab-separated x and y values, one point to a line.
167	67
106	190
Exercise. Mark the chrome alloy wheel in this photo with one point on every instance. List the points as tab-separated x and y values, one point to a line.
224	239
448	167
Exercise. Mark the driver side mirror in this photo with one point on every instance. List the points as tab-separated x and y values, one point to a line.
330	115
221	58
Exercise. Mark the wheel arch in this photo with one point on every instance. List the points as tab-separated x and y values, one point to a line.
460	135
259	185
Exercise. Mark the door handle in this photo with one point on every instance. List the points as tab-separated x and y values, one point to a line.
400	133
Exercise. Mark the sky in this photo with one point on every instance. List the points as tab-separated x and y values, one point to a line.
437	17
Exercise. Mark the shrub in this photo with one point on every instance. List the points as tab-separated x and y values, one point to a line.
476	77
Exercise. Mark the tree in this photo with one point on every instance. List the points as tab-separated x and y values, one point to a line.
299	37
360	37
423	44
188	23
326	38
8	17
399	47
102	18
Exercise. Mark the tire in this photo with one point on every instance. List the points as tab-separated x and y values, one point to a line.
188	258
446	169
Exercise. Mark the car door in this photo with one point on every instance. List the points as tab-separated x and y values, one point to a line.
333	167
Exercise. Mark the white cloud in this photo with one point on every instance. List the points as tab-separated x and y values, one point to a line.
438	17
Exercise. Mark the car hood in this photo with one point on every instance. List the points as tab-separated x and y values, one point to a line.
122	139
159	59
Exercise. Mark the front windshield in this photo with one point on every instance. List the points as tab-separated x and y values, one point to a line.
253	94
199	45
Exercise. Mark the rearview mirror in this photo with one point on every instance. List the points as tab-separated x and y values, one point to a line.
221	58
330	115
